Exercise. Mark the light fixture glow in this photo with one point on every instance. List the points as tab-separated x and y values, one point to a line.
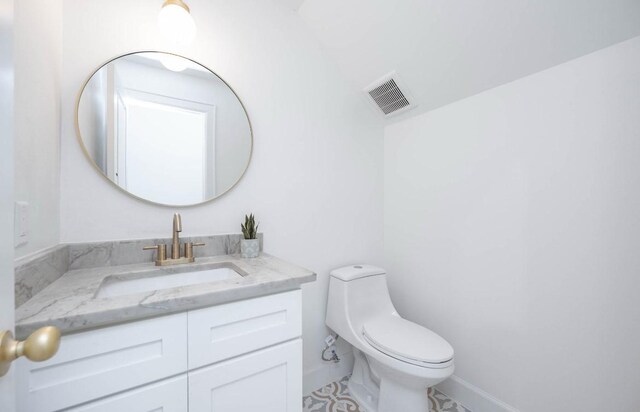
176	24
173	63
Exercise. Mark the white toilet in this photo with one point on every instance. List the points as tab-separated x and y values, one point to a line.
395	360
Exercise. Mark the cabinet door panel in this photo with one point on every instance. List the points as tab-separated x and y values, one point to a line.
269	380
166	396
102	362
222	332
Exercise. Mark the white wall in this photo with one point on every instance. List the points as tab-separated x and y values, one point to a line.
315	179
92	118
512	225
38	62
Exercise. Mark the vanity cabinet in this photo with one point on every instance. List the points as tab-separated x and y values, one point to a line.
101	362
268	380
169	395
239	356
225	331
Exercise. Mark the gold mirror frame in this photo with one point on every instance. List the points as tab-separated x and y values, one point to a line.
101	173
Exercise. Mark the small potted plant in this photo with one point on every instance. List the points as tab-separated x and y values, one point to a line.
250	245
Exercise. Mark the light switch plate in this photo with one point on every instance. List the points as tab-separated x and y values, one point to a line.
21	223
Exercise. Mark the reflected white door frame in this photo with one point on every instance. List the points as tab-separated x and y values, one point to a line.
127	97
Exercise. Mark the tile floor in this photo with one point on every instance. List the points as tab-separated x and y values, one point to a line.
335	398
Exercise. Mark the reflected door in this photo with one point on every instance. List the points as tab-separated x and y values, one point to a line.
141	123
164	151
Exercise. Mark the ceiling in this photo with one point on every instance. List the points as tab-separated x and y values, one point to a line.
446	50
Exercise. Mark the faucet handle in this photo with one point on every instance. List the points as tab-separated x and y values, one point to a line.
188	248
161	251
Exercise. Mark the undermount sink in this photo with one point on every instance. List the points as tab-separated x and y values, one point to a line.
119	286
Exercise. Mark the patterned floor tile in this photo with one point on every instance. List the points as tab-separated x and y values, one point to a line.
335	398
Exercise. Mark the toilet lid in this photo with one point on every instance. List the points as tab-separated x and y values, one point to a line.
407	341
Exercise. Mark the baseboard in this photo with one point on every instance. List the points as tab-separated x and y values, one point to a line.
327	373
472	397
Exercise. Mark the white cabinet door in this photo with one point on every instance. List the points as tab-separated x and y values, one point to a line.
269	380
101	362
166	396
225	331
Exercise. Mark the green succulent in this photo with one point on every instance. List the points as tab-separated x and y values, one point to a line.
250	227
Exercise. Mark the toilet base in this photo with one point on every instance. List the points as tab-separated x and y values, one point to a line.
377	388
366	400
361	385
396	397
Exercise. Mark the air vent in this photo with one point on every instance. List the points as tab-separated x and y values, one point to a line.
389	96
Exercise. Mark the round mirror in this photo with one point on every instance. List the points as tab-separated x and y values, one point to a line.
164	128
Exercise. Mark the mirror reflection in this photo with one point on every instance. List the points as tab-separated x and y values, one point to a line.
164	128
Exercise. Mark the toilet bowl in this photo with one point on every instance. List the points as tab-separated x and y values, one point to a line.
395	360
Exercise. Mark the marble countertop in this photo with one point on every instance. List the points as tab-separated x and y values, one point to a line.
70	302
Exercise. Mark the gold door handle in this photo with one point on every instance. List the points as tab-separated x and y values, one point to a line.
39	346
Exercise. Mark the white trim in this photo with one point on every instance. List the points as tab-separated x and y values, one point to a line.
119	142
327	373
472	397
111	115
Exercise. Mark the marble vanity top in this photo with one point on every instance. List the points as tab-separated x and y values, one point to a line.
70	302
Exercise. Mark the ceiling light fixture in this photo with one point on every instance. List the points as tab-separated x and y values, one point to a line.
176	24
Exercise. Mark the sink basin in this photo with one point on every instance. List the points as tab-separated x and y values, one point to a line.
119	287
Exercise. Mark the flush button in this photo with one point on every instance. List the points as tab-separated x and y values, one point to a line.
358	267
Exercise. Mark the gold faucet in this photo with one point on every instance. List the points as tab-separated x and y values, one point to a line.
176	257
177	228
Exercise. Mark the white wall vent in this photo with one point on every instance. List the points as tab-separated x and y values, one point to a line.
389	95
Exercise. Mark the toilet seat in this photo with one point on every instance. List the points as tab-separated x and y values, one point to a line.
407	341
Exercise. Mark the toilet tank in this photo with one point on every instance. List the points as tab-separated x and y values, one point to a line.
357	293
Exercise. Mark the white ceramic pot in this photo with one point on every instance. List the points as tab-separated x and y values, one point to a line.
250	248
